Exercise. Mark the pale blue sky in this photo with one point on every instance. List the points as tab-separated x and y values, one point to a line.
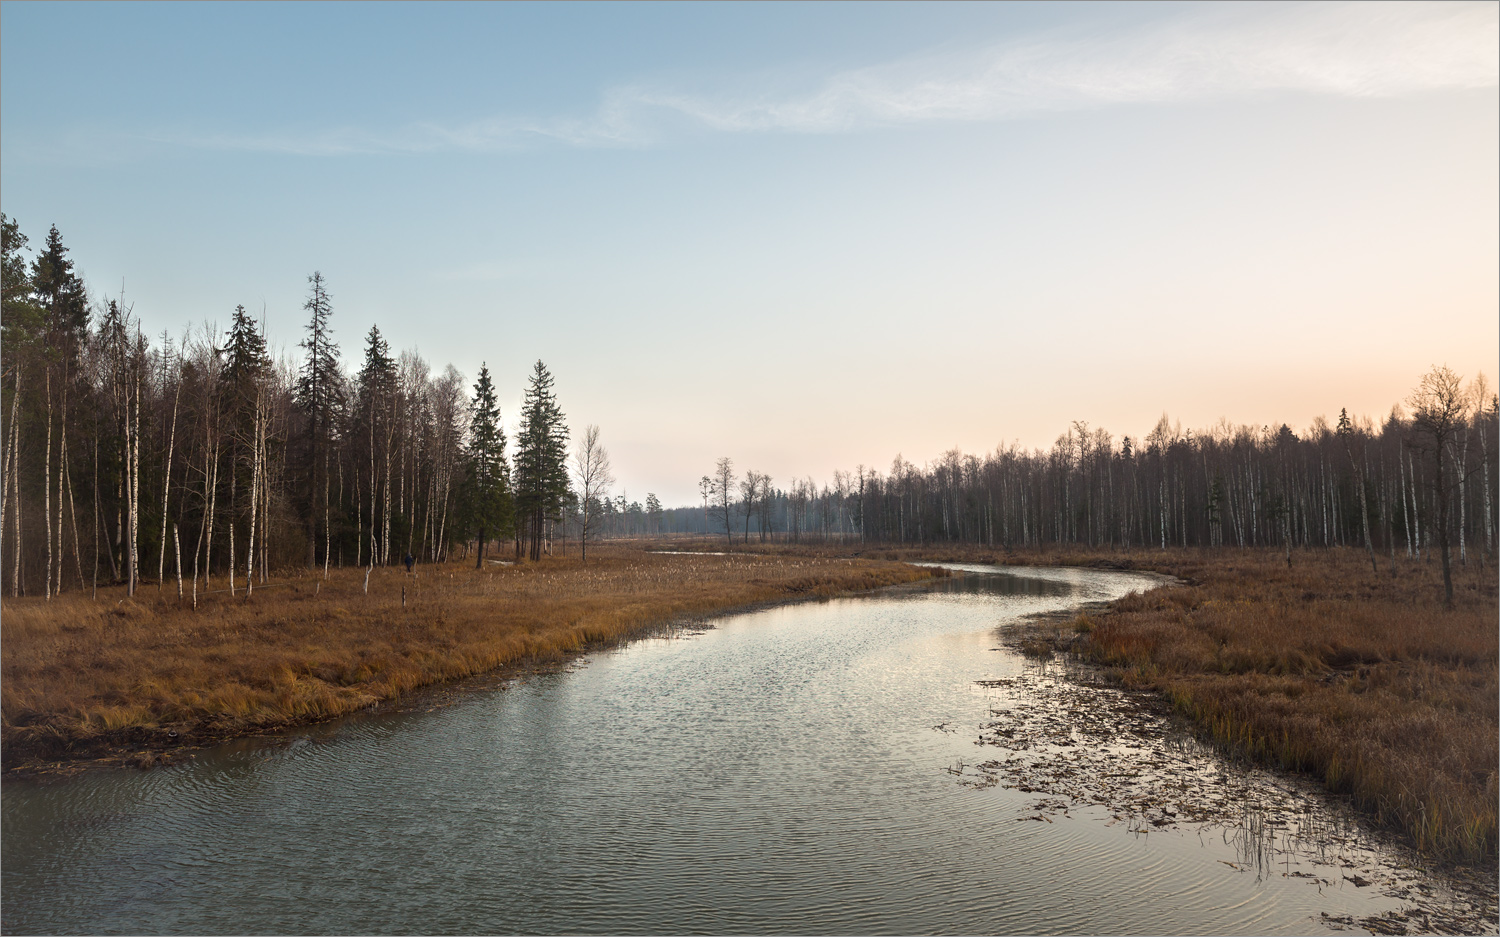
805	236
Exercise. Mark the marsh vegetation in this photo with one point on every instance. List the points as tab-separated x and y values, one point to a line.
124	675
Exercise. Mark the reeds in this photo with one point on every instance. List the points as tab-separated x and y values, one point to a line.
83	678
1364	681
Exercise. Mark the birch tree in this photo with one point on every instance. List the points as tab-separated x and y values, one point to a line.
723	494
591	469
1439	409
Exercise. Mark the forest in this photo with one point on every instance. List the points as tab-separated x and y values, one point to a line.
1402	486
203	458
128	458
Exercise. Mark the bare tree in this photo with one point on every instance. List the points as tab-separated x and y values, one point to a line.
1440	408
706	489
750	489
166	485
723	492
1486	407
1345	431
766	506
591	468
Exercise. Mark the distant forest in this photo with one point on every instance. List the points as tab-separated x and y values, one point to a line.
130	458
1401	486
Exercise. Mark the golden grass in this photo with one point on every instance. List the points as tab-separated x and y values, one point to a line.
1362	680
84	677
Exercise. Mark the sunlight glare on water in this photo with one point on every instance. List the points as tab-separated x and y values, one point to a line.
789	771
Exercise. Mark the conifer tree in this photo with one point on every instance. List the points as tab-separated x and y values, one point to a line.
20	318
318	395
60	293
377	385
20	332
242	391
486	496
245	358
542	487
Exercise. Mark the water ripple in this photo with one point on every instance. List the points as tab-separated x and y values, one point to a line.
789	771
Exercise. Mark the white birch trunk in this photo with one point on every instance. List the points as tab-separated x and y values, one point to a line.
72	514
327	536
11	465
254	501
177	544
166	487
1416	519
135	491
62	459
47	489
1484	455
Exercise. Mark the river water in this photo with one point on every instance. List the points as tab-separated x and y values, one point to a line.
802	769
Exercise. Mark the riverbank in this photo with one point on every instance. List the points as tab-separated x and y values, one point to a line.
1364	681
1360	679
135	680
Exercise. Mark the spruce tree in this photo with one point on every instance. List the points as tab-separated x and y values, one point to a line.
59	293
486	496
245	359
318	395
377	386
246	365
542	487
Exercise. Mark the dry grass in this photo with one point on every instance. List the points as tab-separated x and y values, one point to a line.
82	678
1361	680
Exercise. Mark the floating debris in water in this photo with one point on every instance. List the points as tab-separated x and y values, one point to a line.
1078	742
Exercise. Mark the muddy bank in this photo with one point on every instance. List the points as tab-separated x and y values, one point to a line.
1082	746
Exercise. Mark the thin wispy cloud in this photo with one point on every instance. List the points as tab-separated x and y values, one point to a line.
1345	50
1215	52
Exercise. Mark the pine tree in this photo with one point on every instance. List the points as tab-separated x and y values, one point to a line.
318	395
542	488
377	387
486	496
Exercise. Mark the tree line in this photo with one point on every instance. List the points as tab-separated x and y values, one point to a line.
1420	481
205	459
202	458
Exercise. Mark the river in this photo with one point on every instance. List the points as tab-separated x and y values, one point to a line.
802	769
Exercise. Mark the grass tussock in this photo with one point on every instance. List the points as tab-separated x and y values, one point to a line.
1363	680
84	677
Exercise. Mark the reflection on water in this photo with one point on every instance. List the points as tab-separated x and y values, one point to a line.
790	771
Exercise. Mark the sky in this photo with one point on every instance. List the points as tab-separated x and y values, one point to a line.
805	236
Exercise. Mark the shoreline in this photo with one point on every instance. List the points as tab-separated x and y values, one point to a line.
1233	640
1358	680
144	748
